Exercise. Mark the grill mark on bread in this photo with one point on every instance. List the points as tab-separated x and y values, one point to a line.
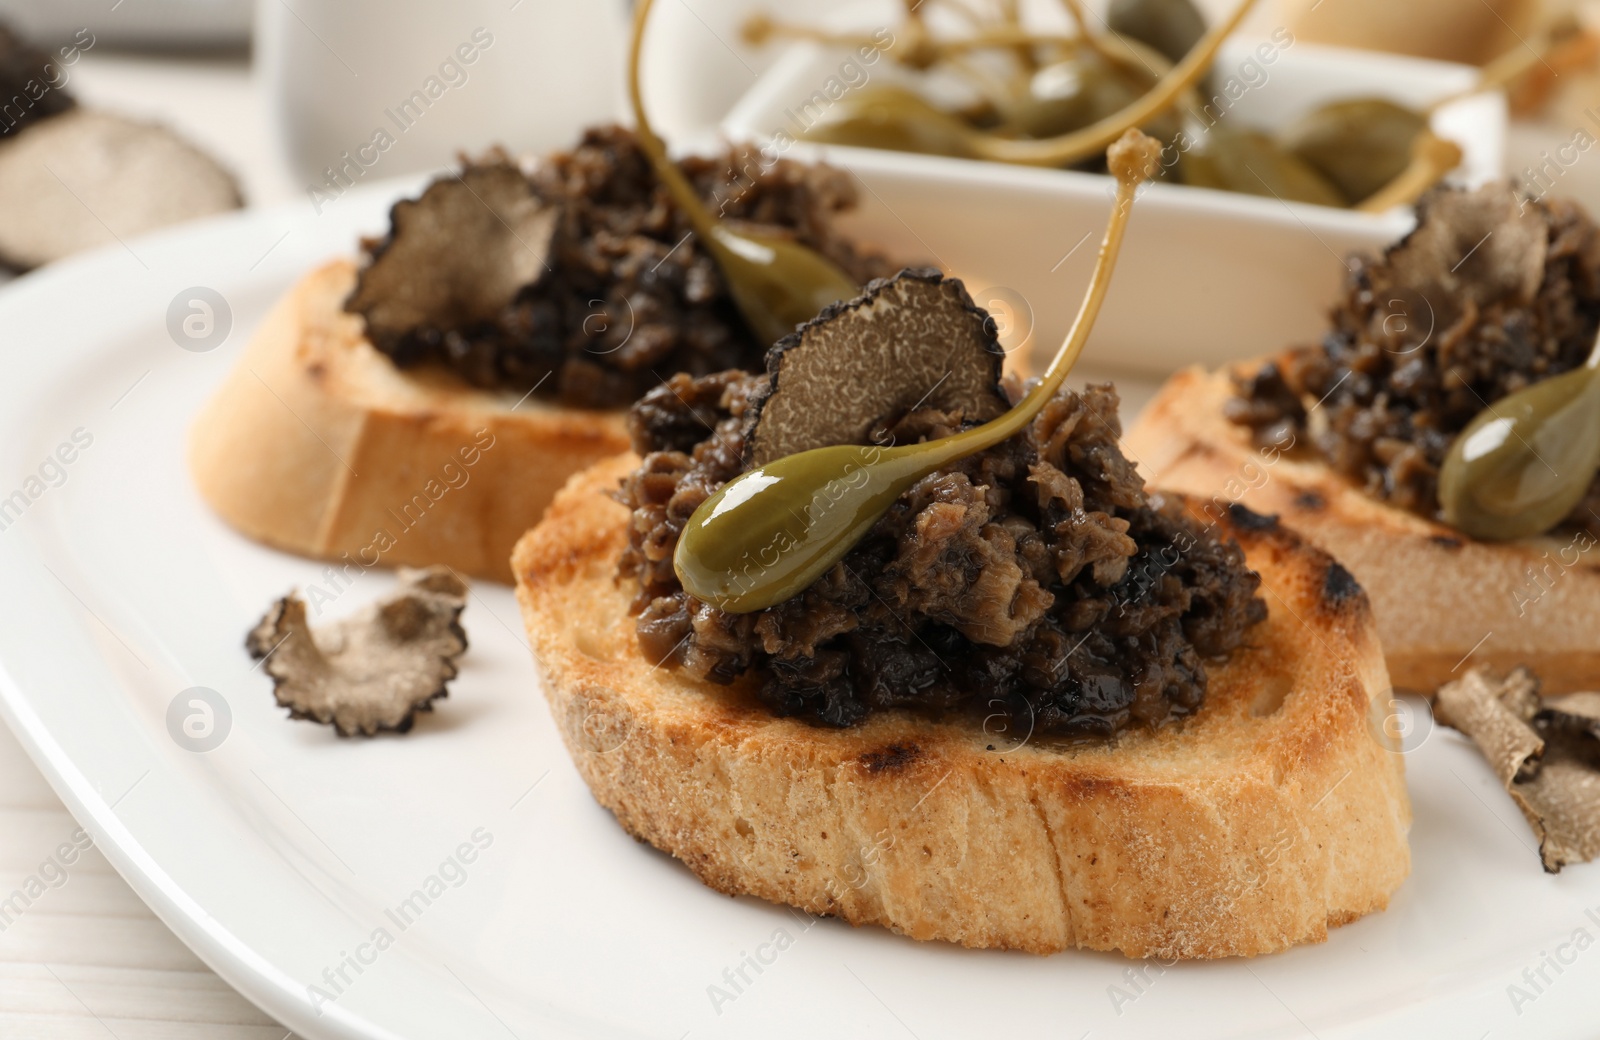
892	757
1310	501
1339	594
1445	541
1246	519
1339	586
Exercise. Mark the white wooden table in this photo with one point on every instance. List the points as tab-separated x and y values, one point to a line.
88	959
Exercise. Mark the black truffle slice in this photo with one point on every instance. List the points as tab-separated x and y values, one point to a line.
457	255
1480	246
912	341
374	670
1544	752
86	178
32	85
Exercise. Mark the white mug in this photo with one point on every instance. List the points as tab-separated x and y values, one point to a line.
365	89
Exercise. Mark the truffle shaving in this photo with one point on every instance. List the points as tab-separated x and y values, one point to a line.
912	341
1470	249
374	670
457	255
84	179
1486	710
1545	752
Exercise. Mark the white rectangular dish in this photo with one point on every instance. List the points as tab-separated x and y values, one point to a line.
1206	275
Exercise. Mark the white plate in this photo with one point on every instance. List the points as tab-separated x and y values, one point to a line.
1207	275
277	854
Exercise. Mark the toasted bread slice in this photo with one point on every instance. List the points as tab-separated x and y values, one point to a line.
1272	814
318	444
1443	601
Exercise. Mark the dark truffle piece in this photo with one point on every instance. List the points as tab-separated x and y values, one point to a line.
1469	249
1544	752
85	179
456	256
914	341
32	85
374	670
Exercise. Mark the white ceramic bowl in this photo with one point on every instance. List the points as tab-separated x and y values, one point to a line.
1205	275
